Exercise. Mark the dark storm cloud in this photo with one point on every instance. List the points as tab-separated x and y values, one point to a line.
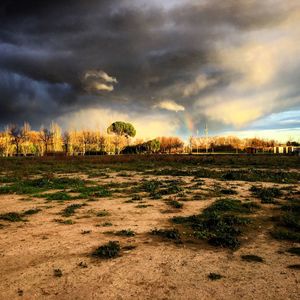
154	52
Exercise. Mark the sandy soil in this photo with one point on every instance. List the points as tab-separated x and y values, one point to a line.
155	269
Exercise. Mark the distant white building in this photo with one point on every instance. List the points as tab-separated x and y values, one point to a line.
286	149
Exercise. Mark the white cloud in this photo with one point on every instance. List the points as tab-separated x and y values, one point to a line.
169	105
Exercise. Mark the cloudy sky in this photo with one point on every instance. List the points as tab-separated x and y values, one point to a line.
168	66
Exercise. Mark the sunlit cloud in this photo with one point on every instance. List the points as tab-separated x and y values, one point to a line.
200	83
95	81
150	126
169	105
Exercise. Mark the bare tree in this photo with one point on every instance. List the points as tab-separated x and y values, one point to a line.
46	136
66	141
101	142
17	135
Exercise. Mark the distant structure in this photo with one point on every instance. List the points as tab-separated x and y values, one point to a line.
286	149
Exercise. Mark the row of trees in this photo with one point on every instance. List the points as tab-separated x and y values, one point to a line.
229	143
118	138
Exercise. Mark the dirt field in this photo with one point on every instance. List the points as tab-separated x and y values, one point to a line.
241	243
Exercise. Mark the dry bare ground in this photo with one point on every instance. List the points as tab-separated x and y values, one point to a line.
44	257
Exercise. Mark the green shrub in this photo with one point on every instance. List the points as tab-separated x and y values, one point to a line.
12	217
217	224
57	272
174	203
102	213
294	267
125	232
172	234
294	250
31	211
214	276
252	258
266	195
109	250
70	210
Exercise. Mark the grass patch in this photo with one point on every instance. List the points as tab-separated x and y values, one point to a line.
218	224
294	267
105	224
35	186
57	196
136	197
110	250
102	213
228	192
12	217
175	204
57	273
288	223
231	205
66	222
214	276
70	210
171	234
247	174
294	250
92	191
252	258
266	195
143	205
129	247
31	211
125	232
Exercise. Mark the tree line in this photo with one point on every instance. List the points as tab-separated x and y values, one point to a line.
117	139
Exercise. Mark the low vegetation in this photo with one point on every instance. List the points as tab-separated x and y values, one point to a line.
172	234
110	250
70	210
252	258
266	195
287	226
214	276
125	232
18	217
220	224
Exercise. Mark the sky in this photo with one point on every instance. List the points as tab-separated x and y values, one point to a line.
169	67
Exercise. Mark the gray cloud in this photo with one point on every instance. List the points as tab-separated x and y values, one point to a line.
197	53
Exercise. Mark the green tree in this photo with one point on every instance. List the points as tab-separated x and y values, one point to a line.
120	129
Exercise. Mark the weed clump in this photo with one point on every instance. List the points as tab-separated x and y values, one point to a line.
102	213
174	203
70	210
252	258
266	195
109	250
66	222
288	224
31	211
217	224
58	196
34	186
57	273
12	217
172	234
294	250
105	224
136	197
294	267
125	232
214	276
